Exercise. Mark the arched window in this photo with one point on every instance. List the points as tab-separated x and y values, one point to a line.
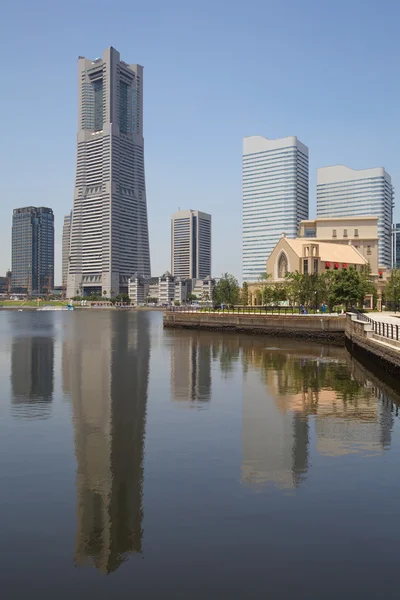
282	266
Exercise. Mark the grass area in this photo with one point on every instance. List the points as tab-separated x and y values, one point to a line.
35	303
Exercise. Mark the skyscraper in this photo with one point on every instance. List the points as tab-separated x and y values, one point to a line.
191	244
66	242
275	197
32	250
343	192
109	234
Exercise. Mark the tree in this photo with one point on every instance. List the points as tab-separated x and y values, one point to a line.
392	289
327	283
191	297
245	293
104	292
295	288
227	290
278	293
350	287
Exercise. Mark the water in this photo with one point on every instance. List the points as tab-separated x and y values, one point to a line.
142	463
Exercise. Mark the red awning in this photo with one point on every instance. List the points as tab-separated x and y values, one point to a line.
380	272
344	265
328	264
336	265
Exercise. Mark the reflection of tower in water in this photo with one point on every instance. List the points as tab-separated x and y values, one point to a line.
274	445
32	365
109	378
190	368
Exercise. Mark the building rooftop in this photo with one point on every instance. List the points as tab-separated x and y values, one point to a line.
350	218
329	251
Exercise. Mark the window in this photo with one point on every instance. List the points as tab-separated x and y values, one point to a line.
368	249
282	266
334	233
315	266
305	266
344	232
356	233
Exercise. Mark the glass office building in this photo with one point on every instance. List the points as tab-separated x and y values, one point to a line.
344	192
32	250
275	197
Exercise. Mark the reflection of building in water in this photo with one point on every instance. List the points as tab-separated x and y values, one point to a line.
109	378
275	445
348	416
190	367
32	365
283	388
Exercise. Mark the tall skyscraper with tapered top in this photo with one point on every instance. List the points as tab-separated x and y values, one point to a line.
109	232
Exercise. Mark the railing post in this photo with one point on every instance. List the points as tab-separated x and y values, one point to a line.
397	332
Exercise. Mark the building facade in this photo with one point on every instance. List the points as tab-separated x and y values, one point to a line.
275	197
344	192
191	244
32	250
360	232
66	242
109	233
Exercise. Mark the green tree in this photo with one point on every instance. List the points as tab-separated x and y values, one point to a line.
245	293
392	288
227	290
327	282
191	298
279	293
294	287
349	288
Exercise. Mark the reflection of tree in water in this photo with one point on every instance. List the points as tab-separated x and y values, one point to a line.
307	377
227	352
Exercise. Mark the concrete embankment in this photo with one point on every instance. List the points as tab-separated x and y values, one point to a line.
323	328
361	340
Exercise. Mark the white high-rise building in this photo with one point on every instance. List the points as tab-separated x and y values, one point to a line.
275	197
66	242
109	234
343	192
191	244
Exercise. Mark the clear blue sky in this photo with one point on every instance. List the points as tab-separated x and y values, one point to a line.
215	71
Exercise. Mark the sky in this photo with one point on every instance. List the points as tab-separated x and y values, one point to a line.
214	72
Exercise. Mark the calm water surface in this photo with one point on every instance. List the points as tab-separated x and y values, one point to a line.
142	463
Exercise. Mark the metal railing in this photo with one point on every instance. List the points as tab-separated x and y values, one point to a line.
246	310
386	330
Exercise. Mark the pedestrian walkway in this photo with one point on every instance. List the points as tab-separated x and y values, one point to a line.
385	317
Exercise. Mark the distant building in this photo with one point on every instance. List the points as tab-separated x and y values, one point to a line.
344	192
203	288
167	289
191	244
66	244
3	285
275	197
32	250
